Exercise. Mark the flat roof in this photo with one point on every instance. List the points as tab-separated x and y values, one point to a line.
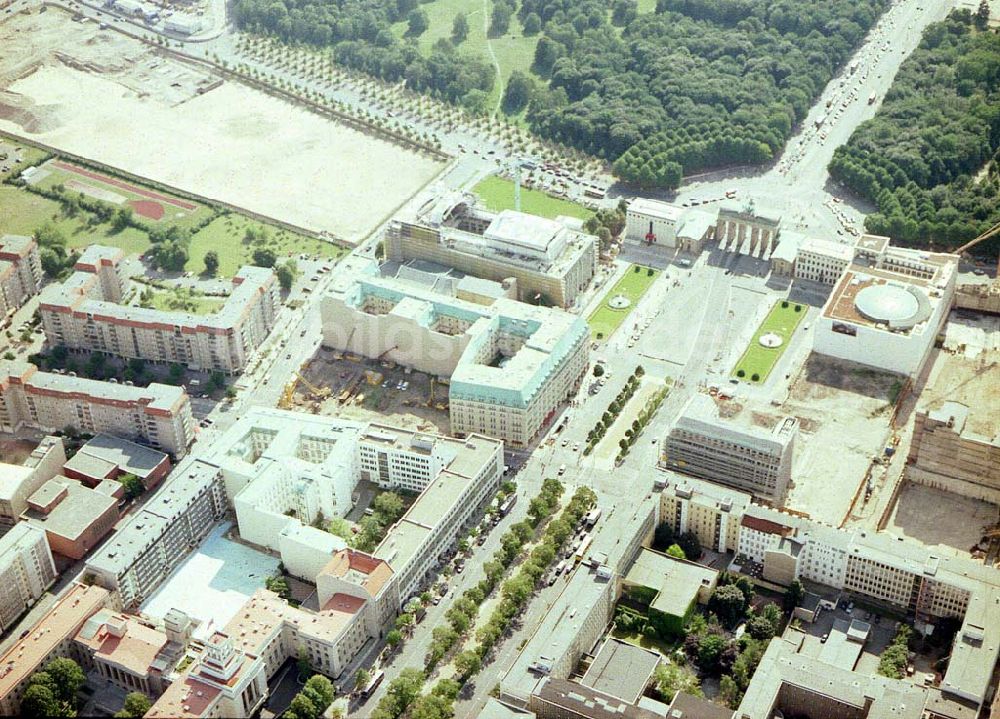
687	706
106	449
621	670
828	248
840	650
655	208
523	230
74	513
121	639
587	702
677	582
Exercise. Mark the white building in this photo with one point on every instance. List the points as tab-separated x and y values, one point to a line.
652	221
20	481
84	313
510	364
284	470
887	311
550	260
822	260
159	415
26	571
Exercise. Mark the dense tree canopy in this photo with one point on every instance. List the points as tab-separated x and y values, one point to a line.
699	83
920	157
359	32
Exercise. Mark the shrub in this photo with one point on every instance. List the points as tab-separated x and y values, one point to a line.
784	304
755	377
798	308
741	373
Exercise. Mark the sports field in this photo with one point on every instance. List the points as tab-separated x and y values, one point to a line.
758	361
632	286
147	204
498	194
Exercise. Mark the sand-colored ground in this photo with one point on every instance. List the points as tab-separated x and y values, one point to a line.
112	99
936	517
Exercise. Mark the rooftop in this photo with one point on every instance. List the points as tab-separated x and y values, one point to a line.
587	702
655	208
104	451
359	568
828	248
686	706
122	640
523	230
677	582
60	623
73	513
621	670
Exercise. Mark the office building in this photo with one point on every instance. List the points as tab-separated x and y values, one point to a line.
223	681
26	571
151	542
52	636
822	261
652	221
283	470
887	309
124	651
75	518
745	457
20	272
107	457
510	364
552	261
85	313
158	415
670	587
19	481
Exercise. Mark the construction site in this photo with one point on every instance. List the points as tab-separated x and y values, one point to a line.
343	385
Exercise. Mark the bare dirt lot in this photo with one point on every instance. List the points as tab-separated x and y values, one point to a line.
384	401
844	411
104	96
936	517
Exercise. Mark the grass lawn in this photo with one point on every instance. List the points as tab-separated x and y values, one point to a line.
498	194
633	285
758	361
22	212
639	639
225	235
195	304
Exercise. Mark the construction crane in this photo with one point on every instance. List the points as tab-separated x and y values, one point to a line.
288	393
317	392
982	238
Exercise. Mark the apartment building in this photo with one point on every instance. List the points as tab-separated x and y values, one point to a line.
19	481
20	272
52	636
154	540
552	261
85	313
509	364
159	415
450	504
741	456
222	682
712	512
822	261
26	571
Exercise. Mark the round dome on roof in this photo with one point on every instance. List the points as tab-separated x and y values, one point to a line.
887	303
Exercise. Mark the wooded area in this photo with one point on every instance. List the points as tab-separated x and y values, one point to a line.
697	84
928	159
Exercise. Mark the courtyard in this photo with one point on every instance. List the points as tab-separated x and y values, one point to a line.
213	582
